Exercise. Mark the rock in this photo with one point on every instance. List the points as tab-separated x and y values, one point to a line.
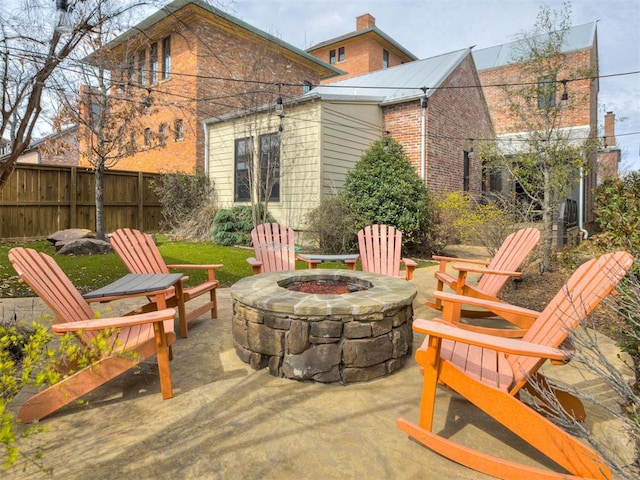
62	237
85	246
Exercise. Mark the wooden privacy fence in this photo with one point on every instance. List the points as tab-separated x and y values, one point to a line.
39	200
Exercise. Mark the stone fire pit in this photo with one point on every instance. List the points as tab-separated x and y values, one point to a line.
327	338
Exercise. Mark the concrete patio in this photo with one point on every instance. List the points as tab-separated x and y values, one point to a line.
227	421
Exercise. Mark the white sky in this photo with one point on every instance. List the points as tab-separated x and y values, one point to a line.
432	27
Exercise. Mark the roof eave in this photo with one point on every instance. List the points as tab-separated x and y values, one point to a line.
176	5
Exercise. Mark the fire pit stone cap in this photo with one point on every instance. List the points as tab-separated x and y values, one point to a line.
264	292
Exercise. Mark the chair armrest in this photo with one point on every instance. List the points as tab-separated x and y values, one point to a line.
409	266
256	265
485	271
505	345
459	260
522	317
196	267
211	269
115	322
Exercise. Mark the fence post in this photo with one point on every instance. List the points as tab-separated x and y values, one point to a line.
140	201
73	198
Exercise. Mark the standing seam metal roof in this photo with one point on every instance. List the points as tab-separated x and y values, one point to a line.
579	37
397	84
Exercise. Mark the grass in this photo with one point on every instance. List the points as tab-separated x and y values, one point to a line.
90	272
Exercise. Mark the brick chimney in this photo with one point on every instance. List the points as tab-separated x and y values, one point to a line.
609	130
365	21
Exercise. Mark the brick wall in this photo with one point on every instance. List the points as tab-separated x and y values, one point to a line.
363	54
582	94
454	117
207	54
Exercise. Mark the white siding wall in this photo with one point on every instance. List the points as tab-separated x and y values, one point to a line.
299	157
336	133
348	130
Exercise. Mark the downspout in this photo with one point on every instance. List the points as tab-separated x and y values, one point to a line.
206	156
423	153
584	232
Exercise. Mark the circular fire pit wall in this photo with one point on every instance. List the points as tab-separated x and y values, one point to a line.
346	338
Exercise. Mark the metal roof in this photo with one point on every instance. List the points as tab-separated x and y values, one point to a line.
364	31
579	37
176	5
397	84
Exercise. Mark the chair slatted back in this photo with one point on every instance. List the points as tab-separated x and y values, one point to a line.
583	292
50	283
380	249
274	246
510	256
138	251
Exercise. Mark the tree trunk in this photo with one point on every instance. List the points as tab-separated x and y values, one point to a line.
547	223
100	201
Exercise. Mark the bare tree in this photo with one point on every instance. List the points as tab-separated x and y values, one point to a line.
107	110
543	156
32	49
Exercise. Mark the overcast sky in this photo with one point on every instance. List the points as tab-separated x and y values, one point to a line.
427	28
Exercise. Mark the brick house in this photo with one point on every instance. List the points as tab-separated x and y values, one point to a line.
60	148
323	133
364	51
500	65
190	61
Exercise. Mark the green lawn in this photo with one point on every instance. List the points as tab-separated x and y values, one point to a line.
94	271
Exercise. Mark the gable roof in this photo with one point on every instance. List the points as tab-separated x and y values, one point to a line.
580	37
398	84
364	31
171	8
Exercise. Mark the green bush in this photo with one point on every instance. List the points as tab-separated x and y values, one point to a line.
29	358
333	227
232	226
617	210
384	188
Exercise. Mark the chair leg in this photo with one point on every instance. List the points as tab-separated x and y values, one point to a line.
214	303
547	395
437	303
71	388
525	422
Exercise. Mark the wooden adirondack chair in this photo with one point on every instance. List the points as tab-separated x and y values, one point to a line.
380	251
140	254
490	371
274	247
135	337
504	265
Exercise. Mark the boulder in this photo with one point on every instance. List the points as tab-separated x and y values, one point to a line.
85	246
62	237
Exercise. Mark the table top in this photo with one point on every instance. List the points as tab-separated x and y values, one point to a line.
135	284
328	258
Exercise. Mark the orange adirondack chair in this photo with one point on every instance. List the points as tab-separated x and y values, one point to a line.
140	254
504	265
136	337
380	251
489	371
274	247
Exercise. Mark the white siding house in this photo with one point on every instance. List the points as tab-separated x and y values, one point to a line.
320	141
